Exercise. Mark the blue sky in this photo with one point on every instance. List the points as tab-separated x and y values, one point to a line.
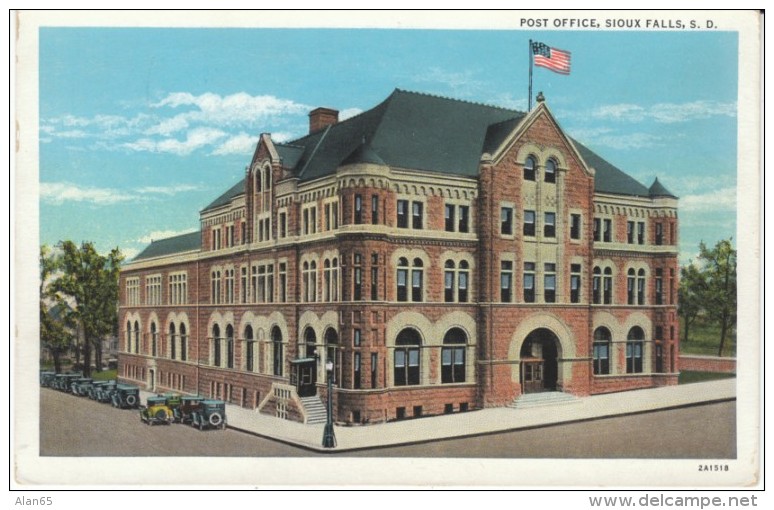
140	128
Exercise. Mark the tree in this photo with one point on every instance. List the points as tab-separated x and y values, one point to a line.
91	280
55	315
693	285
720	295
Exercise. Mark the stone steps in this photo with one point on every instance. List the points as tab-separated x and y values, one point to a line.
543	399
315	410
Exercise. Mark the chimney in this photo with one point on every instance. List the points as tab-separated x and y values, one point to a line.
320	118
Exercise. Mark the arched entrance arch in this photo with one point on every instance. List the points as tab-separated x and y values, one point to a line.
539	355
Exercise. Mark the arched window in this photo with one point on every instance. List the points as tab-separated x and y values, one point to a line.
462	281
276	341
230	346
602	339
310	341
136	337
172	341
608	286
550	175
402	279
154	338
631	283
597	286
416	281
529	168
641	287
453	356
332	352
128	336
250	345
327	280
183	343
634	346
407	358
216	345
335	280
448	281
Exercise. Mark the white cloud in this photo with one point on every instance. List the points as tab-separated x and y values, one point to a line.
163	234
611	138
239	144
129	253
60	192
723	199
195	139
665	112
348	113
283	136
168	190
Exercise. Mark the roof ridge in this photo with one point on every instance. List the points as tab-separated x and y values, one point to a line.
457	100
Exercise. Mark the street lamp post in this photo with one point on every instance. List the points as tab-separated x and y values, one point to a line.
329	438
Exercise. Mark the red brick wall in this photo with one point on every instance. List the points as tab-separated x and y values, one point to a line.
707	364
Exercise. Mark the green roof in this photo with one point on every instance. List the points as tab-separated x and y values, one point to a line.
233	192
609	178
171	245
658	190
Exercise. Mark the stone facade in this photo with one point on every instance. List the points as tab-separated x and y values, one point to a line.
430	292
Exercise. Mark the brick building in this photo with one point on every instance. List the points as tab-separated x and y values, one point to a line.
444	255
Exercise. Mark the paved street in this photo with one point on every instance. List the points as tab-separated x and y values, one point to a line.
73	426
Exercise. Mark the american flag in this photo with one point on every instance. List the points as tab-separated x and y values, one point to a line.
551	58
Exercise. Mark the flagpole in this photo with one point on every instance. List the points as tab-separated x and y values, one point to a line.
529	94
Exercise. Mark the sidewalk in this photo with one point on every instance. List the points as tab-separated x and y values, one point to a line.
481	422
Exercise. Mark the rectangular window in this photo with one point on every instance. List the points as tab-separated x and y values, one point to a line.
601	358
529	223
630	232
634	357
374	284
132	291
575	283
374	209
631	283
358	209
416	213
243	232
506	221
356	375
283	282
462	287
529	282
374	368
506	281
452	364
549	283
306	221
549	228
356	338
283	224
312	219
464	212
575	226
659	287
449	218
402	213
597	229
640	232
607	233
327	216
270	283
659	234
358	286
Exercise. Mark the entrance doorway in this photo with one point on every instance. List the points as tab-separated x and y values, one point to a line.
303	375
539	366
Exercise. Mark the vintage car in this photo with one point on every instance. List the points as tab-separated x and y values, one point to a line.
104	392
156	411
188	405
93	388
62	382
46	378
81	386
211	414
126	396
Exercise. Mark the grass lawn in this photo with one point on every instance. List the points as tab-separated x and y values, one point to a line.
694	377
105	375
705	339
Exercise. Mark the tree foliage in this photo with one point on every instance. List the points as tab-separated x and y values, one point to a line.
55	315
90	280
709	287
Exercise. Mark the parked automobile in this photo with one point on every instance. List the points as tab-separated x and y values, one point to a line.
156	411
62	382
211	414
188	405
93	388
46	378
126	396
80	386
104	392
